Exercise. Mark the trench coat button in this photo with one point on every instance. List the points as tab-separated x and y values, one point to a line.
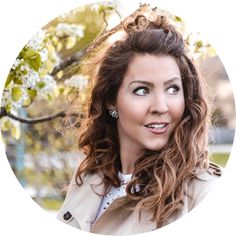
67	216
215	170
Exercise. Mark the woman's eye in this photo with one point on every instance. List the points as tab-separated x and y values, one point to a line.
173	89
141	91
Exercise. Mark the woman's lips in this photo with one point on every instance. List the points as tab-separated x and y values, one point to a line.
157	128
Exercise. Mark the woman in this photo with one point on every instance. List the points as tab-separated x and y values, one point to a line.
145	138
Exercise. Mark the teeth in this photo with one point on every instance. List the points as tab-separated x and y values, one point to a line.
156	126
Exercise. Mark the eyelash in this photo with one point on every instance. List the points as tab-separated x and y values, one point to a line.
139	88
175	87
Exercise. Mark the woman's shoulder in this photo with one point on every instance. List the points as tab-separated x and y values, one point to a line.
73	186
202	184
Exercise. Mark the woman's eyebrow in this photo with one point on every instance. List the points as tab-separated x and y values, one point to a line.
172	80
150	84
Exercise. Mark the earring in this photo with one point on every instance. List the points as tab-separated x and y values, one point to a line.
114	113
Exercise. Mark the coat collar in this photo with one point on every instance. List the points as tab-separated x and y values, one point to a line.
86	200
86	203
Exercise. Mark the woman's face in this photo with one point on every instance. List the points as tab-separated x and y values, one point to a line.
150	102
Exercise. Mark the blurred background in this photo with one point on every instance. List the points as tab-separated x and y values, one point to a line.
45	77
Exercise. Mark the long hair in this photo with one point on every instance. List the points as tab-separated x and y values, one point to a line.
161	176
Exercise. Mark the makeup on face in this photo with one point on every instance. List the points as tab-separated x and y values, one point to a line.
150	103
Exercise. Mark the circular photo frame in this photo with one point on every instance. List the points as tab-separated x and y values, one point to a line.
46	95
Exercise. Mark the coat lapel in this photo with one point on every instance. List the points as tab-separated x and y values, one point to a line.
85	201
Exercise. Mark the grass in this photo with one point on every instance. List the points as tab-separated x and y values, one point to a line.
220	158
50	204
54	204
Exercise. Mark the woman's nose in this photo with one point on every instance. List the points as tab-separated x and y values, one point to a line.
159	104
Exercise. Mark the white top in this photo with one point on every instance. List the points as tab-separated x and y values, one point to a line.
114	193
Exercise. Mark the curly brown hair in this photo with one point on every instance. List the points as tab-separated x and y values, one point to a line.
162	176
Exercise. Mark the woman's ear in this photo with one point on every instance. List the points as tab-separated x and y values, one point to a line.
112	110
111	106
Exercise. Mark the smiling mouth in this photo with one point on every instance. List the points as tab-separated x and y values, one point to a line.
156	126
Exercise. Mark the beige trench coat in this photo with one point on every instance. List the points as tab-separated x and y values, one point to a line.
82	203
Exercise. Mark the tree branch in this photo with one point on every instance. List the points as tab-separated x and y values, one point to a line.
70	63
31	120
104	18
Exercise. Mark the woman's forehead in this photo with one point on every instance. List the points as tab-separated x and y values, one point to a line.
152	67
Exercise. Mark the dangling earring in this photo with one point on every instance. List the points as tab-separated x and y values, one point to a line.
114	113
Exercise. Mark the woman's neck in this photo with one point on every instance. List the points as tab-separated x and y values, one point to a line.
128	158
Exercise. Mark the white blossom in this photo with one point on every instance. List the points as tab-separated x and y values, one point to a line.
48	88
36	41
6	98
77	81
44	54
95	7
17	63
56	59
64	29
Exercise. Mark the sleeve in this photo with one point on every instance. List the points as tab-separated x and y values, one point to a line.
202	184
73	186
64	214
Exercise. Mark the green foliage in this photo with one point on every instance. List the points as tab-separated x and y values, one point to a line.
32	93
199	44
40	84
178	19
50	203
31	87
104	8
8	108
10	77
33	58
220	158
16	94
30	78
